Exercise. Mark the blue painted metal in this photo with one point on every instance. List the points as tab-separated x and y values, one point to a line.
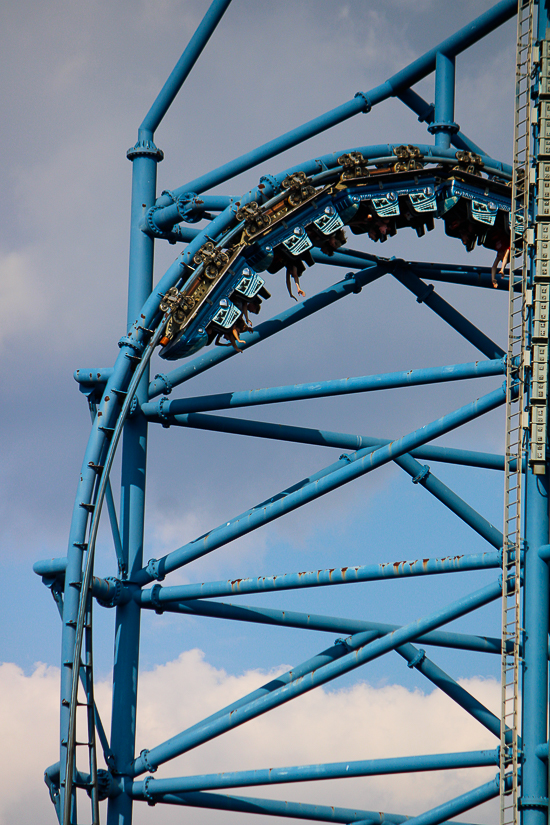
443	125
323	389
184	65
536	613
275	807
302	773
120	400
479	276
363	102
420	475
343	471
362	650
427	295
426	114
456	806
312	621
325	438
354	283
320	578
535	681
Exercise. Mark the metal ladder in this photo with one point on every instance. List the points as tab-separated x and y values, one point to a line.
517	421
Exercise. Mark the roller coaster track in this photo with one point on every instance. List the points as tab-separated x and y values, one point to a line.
289	221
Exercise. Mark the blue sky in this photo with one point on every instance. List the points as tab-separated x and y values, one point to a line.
80	77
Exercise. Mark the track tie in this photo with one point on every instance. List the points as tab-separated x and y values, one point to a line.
89	507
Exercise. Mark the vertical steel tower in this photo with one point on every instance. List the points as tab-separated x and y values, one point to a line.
290	220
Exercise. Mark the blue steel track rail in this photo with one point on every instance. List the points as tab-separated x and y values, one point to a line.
119	394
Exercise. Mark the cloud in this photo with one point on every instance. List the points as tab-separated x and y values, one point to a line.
24	294
326	725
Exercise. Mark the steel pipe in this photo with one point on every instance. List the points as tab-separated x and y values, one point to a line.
326	389
362	462
361	652
320	578
308	773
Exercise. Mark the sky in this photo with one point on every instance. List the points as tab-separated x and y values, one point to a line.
78	79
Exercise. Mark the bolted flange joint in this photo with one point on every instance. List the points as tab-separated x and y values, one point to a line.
145	149
188	208
533	803
106	786
443	126
153	569
163	413
146	792
344	642
270	180
418	659
117	593
127	341
150	223
367	107
166	381
422	475
425	294
143	755
155	598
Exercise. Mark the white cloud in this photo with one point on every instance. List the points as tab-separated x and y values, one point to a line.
358	722
23	297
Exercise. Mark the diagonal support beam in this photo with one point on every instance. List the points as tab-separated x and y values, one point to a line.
426	114
425	294
183	67
327	389
353	283
465	275
362	650
417	659
276	807
362	102
331	624
327	438
356	465
455	806
420	474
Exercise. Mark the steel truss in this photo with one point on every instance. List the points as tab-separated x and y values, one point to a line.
318	198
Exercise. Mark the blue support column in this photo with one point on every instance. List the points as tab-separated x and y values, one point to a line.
444	126
426	114
362	102
145	157
534	772
534	791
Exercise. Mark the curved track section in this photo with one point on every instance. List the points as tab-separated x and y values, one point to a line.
213	299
